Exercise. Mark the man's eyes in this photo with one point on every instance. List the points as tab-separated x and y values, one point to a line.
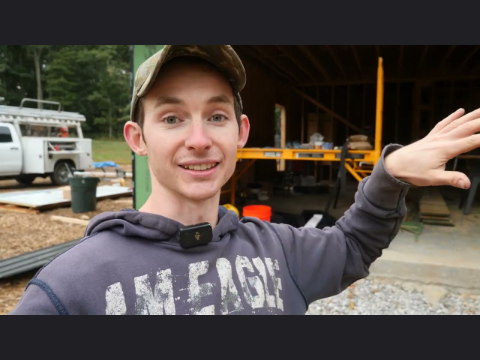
171	120
218	118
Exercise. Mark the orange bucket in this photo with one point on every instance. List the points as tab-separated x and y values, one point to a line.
261	212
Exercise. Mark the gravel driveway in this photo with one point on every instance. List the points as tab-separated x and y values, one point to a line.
375	296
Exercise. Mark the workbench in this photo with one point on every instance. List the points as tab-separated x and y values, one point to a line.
352	161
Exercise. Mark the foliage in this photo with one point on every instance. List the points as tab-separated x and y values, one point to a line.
93	80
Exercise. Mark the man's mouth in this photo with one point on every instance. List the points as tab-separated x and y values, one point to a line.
200	167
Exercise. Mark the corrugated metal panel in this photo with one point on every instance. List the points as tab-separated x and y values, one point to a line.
32	260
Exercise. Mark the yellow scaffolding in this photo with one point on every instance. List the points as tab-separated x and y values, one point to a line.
352	163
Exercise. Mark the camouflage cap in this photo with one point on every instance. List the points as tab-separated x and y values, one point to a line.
223	57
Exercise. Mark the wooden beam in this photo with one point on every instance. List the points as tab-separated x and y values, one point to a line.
449	52
326	109
272	56
317	108
348	105
303	119
397	112
295	60
400	59
315	62
450	100
357	59
259	59
123	201
69	220
334	57
470	96
416	112
364	104
18	209
275	62
433	103
332	106
422	59
444	61
470	55
388	80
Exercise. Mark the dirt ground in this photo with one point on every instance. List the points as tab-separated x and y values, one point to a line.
20	233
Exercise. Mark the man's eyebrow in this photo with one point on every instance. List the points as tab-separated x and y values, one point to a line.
219	99
164	100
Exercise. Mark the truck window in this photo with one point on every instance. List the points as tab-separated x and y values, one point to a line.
5	135
48	131
25	130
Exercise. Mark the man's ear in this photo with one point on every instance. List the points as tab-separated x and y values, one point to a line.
133	136
244	131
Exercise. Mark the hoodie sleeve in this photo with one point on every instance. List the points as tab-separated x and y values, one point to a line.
325	262
36	300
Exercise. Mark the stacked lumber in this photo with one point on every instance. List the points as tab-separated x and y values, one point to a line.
433	208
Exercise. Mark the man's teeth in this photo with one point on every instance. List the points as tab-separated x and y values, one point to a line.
200	167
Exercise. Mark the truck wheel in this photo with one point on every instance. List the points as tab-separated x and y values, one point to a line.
60	173
25	179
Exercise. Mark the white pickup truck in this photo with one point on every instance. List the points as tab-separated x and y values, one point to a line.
42	143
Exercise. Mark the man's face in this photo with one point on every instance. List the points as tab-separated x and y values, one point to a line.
190	130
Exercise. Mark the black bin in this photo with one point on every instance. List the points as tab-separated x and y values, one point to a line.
84	193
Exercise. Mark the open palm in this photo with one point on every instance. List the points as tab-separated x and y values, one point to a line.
423	162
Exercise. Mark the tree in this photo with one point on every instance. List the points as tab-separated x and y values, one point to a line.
17	75
36	51
93	80
112	93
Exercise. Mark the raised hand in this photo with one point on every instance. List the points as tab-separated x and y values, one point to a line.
423	162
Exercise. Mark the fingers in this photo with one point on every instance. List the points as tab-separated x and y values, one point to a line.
466	129
447	121
452	178
464	119
464	145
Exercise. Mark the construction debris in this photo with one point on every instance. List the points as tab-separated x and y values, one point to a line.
18	209
32	260
433	208
52	198
69	220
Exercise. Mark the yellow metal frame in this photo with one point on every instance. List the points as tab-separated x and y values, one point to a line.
351	164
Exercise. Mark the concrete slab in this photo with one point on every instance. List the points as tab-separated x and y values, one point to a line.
443	256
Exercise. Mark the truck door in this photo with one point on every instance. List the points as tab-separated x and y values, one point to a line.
10	151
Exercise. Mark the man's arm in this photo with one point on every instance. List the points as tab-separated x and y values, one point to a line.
325	262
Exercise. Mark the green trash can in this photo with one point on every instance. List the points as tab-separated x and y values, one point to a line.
84	193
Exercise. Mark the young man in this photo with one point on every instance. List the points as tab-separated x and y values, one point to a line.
187	118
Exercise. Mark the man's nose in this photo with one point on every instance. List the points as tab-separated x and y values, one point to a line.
198	138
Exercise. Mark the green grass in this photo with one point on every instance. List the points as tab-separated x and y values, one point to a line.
111	150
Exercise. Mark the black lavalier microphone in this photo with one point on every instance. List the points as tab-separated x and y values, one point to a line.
195	235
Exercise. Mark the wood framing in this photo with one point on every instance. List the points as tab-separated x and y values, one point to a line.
326	109
357	60
295	60
335	59
315	61
422	59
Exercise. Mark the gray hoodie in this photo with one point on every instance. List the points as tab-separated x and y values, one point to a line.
131	262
